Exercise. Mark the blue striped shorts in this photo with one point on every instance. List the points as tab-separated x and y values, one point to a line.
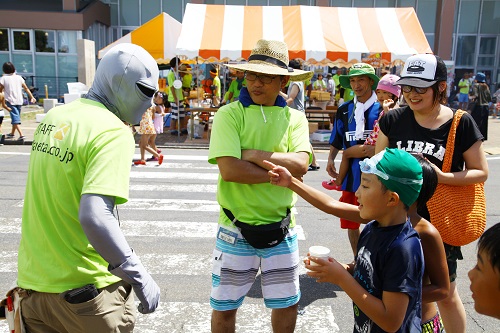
235	268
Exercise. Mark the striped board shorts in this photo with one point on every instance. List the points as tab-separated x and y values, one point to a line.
235	267
177	111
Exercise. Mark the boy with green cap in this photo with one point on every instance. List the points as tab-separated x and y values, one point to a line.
386	280
353	124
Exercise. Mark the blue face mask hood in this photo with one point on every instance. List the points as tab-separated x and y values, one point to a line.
125	82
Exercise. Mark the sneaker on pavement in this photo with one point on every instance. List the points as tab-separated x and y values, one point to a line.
9	136
140	162
160	159
21	138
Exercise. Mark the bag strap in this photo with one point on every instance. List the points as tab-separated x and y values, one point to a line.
450	143
284	222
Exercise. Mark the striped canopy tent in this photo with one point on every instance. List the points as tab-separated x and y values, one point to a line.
158	36
318	35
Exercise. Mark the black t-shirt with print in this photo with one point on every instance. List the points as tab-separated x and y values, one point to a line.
403	132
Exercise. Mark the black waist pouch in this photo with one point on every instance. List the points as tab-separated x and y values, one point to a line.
262	236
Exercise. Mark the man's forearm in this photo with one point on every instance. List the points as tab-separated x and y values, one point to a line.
296	162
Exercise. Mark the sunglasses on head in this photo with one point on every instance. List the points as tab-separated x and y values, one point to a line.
408	89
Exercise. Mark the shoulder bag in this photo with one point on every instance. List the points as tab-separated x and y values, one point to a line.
457	212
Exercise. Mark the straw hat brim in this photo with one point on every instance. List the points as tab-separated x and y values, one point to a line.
266	68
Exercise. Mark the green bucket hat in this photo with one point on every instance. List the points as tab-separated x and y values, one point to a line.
359	69
398	170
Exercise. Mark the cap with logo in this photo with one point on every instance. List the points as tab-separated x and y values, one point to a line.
422	71
398	170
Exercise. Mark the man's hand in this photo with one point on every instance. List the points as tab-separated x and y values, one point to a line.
330	168
145	288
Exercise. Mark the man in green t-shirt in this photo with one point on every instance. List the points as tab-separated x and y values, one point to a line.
74	261
463	96
176	98
259	126
235	87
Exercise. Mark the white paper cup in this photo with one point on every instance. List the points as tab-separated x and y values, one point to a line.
318	252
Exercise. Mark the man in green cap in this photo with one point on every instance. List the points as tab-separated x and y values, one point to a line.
353	123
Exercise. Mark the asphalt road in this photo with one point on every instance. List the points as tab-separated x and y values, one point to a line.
171	221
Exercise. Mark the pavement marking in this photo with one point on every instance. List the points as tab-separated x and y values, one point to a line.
132	228
191	317
172	204
189	188
174	175
194	317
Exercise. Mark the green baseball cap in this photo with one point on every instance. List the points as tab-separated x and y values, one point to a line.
356	70
398	170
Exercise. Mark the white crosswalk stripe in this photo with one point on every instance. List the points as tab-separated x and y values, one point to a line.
182	264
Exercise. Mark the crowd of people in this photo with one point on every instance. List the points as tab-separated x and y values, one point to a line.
402	277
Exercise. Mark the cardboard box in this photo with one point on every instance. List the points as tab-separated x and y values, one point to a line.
321	135
313	127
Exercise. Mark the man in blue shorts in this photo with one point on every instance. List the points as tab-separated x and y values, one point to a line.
256	229
463	96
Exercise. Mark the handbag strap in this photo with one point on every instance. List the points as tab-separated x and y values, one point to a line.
450	143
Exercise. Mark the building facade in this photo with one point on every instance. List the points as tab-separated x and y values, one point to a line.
39	36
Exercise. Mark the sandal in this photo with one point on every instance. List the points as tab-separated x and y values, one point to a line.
330	185
140	162
160	159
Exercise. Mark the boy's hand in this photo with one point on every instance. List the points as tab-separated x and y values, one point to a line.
326	270
278	175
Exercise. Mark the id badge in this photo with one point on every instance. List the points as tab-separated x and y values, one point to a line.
227	236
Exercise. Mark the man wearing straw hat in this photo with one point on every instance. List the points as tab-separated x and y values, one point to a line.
256	229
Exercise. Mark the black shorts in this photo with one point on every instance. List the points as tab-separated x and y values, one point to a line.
453	253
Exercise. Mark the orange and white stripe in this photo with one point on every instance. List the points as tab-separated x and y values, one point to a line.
323	35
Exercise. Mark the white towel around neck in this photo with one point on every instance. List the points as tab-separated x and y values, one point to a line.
359	114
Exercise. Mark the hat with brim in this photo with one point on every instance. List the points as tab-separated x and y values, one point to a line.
271	57
358	70
184	69
423	71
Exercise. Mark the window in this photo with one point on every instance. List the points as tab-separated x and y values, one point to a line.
466	46
23	63
469	16
363	3
21	40
487	47
426	13
342	3
385	3
129	12
66	41
490	20
406	3
149	9
44	41
4	40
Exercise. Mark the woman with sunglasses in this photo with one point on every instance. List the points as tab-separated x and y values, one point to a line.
422	127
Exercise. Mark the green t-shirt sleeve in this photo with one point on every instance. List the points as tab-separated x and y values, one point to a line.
108	167
299	140
224	127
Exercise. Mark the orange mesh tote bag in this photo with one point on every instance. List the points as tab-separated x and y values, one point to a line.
457	212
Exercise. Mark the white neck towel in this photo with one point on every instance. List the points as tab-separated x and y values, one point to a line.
359	114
